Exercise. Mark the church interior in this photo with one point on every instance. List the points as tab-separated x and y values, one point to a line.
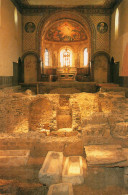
64	97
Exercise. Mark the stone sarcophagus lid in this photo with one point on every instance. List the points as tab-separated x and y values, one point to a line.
14	157
61	189
51	171
73	170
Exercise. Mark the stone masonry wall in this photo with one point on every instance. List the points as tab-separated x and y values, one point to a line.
13	111
98	116
20	112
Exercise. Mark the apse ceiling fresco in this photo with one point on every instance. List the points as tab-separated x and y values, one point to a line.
65	32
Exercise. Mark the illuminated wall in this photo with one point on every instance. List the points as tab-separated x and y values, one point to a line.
119	37
10	37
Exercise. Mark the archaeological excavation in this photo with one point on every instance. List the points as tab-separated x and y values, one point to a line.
63	97
64	143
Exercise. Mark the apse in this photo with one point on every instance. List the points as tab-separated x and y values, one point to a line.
64	41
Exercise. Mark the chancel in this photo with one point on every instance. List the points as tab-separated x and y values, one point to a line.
63	97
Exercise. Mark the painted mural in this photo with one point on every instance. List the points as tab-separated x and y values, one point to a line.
65	32
30	27
102	27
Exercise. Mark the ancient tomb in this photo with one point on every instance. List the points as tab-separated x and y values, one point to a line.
14	157
73	170
62	188
51	171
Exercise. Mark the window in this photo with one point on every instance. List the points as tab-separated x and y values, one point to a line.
85	57
116	23
15	16
0	13
66	57
46	56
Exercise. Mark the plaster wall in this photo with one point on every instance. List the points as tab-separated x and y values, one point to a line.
10	38
119	44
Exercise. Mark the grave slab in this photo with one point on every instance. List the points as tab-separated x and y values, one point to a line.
104	155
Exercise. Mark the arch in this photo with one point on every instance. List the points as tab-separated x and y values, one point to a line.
31	60
100	67
83	20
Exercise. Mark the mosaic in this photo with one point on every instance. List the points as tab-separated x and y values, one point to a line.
65	32
102	27
30	27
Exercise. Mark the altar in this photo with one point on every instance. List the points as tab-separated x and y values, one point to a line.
66	76
66	73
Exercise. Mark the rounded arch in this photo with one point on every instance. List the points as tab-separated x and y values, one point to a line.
31	66
100	67
32	53
83	20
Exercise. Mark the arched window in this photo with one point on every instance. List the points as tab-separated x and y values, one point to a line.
116	23
46	56
66	57
16	16
85	57
0	13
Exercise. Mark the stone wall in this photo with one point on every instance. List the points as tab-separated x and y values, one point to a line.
98	116
21	112
14	111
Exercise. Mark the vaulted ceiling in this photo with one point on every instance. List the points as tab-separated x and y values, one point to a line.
41	4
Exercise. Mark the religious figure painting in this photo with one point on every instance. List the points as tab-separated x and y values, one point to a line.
102	27
30	27
66	31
